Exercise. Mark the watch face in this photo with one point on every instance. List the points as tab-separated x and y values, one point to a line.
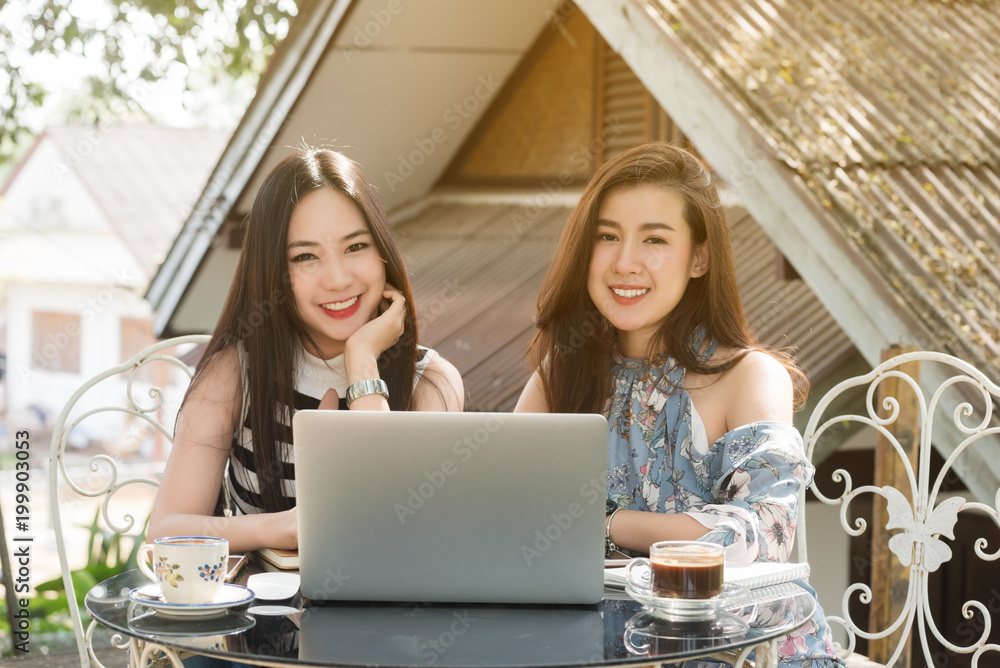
610	506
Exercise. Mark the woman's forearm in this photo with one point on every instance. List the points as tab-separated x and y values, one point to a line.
636	530
244	532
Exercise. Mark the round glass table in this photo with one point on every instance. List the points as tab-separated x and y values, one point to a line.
616	632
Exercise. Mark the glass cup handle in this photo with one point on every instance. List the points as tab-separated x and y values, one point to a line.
640	649
639	580
141	559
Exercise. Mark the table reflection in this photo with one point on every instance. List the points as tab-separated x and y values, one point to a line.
449	635
413	634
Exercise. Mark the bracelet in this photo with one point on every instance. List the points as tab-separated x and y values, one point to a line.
366	387
609	545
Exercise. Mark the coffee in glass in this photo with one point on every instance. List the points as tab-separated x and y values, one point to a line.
681	569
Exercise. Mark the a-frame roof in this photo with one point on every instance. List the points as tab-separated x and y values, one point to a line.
143	177
815	112
863	136
883	118
396	87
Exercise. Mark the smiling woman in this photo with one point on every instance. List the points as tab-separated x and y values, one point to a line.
642	227
700	438
336	272
316	317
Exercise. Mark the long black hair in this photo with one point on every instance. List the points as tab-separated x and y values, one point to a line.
260	308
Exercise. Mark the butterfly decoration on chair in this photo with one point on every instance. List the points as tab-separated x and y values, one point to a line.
924	534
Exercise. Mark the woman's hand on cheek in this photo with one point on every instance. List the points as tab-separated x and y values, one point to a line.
381	332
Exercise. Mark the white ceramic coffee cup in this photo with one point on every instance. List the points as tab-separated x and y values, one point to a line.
188	569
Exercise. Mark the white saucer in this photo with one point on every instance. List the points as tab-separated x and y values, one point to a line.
191	626
274	586
692	609
272	610
648	624
229	596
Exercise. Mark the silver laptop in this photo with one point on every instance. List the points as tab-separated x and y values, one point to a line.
450	507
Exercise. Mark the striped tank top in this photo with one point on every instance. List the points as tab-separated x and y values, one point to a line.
313	377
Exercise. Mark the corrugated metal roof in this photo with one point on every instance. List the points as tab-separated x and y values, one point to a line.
856	81
784	312
145	177
889	113
476	271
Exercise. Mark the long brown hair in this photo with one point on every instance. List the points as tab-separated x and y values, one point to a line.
573	346
260	308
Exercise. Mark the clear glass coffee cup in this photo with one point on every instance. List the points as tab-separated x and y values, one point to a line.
679	569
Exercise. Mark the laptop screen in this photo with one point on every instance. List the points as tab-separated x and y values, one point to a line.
451	507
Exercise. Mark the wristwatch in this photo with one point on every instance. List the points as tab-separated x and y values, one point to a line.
365	387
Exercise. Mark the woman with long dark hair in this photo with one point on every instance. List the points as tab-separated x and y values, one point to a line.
318	316
640	319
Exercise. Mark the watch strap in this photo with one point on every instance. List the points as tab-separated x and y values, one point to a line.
365	387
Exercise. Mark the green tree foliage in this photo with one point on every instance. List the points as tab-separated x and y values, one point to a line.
217	40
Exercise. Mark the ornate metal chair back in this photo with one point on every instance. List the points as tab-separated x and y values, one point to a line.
953	396
100	478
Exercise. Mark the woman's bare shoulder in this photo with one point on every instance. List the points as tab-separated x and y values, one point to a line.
741	364
217	385
757	388
221	370
211	409
447	381
762	365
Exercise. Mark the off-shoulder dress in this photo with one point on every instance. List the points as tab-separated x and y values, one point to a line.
744	487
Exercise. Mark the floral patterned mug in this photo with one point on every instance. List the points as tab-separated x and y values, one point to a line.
189	569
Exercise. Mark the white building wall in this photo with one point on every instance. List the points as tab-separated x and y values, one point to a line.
59	254
45	195
32	385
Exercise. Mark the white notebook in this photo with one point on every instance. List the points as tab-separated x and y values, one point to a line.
765	573
752	576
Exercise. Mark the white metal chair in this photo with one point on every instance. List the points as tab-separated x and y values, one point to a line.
102	481
966	397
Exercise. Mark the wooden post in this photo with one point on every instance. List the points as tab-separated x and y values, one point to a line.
890	580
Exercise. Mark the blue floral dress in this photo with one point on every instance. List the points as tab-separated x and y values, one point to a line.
743	488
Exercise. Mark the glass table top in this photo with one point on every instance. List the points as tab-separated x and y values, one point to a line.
613	632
